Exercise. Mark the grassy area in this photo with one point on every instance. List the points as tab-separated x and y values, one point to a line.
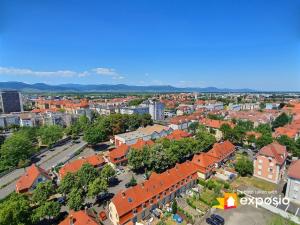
170	221
254	182
198	204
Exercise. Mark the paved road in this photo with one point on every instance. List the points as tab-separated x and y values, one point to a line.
46	161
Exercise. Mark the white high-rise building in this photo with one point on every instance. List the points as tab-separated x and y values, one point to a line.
157	110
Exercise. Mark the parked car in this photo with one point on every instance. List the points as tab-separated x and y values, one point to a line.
218	218
61	200
211	221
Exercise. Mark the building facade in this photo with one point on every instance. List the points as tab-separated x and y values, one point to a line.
157	110
10	101
293	182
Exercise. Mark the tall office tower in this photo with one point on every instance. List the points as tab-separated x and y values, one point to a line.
10	101
156	110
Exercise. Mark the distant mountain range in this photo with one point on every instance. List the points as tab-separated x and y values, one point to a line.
41	87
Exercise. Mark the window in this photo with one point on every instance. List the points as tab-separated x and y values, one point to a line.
259	172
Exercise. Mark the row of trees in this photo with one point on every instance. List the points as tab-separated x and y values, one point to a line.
105	126
165	153
17	149
22	209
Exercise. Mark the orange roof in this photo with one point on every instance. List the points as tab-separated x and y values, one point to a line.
141	144
204	161
255	134
79	218
221	150
26	181
133	198
294	169
276	151
74	166
119	152
178	134
215	123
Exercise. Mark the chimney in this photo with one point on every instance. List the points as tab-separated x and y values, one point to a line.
168	172
72	220
123	194
143	185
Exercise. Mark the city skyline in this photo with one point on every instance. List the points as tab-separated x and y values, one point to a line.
225	45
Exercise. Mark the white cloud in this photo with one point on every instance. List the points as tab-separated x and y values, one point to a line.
61	73
17	71
108	72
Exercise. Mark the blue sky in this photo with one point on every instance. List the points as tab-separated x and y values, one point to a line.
222	43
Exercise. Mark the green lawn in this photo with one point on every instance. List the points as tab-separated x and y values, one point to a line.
277	220
254	182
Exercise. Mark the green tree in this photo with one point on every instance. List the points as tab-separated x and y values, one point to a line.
264	129
42	192
281	120
264	140
49	135
193	127
204	139
132	181
15	210
244	166
14	149
86	174
97	186
75	199
135	160
95	134
290	144
70	181
174	207
107	172
47	210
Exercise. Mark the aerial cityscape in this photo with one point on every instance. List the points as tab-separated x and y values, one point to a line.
149	112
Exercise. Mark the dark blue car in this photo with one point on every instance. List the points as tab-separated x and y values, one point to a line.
218	219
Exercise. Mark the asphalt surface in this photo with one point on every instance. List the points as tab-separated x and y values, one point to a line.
45	161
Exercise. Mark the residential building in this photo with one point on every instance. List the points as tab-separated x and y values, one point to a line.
79	218
96	161
134	110
293	182
136	203
31	178
214	126
8	120
156	110
145	133
178	134
207	162
10	101
269	163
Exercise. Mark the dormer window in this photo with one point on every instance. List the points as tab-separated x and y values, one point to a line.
134	211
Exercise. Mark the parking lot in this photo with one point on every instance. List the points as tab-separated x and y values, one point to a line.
244	215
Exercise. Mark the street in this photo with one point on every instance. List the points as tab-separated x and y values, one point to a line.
45	161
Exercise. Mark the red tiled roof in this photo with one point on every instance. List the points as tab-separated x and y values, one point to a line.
276	151
294	170
133	198
178	134
215	123
141	144
28	178
79	218
117	153
221	150
74	166
204	161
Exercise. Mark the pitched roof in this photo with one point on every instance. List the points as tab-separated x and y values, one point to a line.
131	198
294	170
178	134
276	151
204	161
118	152
141	143
215	123
221	150
74	166
79	218
28	178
